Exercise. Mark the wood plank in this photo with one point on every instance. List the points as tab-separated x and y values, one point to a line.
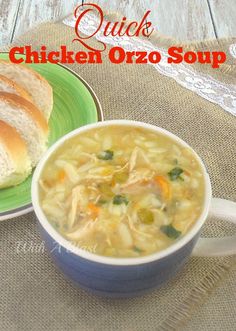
181	19
224	17
8	15
31	13
185	19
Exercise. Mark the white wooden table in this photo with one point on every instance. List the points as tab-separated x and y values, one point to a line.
182	19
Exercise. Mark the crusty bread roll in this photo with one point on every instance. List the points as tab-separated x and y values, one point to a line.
7	85
37	87
28	121
15	164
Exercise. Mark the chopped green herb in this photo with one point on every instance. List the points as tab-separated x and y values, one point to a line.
106	155
175	161
145	216
119	199
137	249
170	231
175	173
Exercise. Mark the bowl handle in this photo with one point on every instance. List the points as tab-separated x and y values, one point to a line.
225	210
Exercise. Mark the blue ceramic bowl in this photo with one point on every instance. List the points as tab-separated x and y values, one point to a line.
116	277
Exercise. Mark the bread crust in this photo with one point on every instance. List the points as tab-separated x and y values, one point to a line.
29	108
19	90
14	144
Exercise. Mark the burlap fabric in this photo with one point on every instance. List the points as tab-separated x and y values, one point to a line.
35	296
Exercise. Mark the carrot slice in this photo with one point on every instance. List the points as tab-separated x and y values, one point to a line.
61	176
93	208
164	186
113	182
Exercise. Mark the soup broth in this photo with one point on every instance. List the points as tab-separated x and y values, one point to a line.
121	191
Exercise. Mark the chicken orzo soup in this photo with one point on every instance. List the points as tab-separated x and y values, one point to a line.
121	191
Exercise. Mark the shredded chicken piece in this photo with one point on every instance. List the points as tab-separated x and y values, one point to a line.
121	169
91	156
86	167
137	152
138	176
97	199
93	188
77	196
142	154
98	178
133	159
81	232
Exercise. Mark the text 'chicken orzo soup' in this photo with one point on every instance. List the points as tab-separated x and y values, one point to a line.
122	191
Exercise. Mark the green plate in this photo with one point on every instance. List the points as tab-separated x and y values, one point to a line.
75	105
